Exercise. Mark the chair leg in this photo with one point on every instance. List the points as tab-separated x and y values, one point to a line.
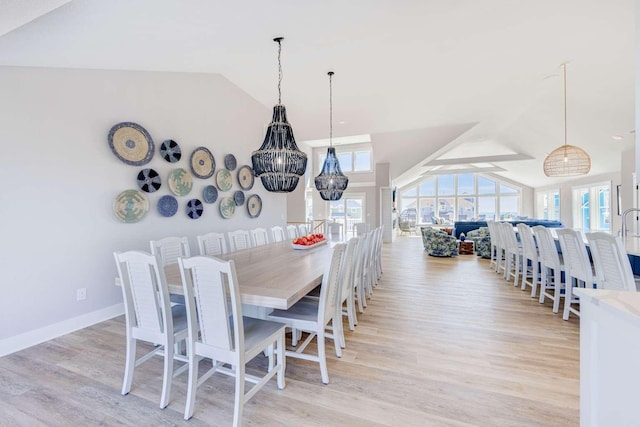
281	361
557	293
168	373
192	384
568	296
322	356
239	400
129	365
351	311
535	278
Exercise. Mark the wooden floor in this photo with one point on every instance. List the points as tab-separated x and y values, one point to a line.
444	342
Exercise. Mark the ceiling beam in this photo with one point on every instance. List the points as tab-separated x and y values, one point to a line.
481	159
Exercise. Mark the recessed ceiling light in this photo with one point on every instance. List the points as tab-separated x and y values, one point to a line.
617	137
341	122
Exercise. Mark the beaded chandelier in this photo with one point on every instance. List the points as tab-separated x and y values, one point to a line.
331	182
278	162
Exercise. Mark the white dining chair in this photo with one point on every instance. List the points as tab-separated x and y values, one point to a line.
149	316
530	259
346	301
513	253
493	233
303	230
292	231
170	249
359	275
612	266
238	240
212	244
578	269
359	228
314	318
259	237
334	230
551	267
277	233
218	331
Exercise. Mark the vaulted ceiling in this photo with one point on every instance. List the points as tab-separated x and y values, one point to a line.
454	84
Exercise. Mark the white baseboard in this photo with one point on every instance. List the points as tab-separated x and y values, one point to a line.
31	338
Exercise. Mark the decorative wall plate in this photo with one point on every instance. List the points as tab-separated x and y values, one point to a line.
130	206
227	207
223	180
194	209
131	143
149	181
170	151
180	182
238	197
210	194
254	206
202	163
230	162
167	206
245	177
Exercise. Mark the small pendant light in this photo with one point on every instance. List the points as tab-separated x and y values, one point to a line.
331	182
567	160
278	162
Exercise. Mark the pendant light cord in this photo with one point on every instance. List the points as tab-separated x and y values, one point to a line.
279	41
330	109
564	69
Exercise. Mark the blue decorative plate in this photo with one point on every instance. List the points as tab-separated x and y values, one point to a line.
238	197
149	180
202	163
167	206
210	194
254	206
131	143
230	162
245	177
194	208
130	206
170	151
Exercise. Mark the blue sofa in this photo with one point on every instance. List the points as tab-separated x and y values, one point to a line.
466	226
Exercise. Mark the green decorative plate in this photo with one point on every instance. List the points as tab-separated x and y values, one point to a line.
227	207
130	206
223	180
180	182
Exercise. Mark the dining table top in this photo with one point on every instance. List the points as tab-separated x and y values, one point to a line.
271	276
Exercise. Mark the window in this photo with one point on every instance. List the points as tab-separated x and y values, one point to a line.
465	196
592	207
350	161
548	204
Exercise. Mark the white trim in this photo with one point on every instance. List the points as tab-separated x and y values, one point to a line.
37	336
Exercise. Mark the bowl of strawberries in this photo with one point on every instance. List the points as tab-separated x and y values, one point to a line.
308	242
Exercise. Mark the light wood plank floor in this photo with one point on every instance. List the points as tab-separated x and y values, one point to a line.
444	342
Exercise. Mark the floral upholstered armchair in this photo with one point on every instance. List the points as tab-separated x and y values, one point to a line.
438	243
482	241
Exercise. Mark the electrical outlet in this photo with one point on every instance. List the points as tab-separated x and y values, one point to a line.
81	294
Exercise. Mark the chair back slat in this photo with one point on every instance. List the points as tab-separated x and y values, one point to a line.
277	233
329	287
144	295
613	269
239	240
347	269
208	283
212	244
170	249
528	242
574	253
548	251
303	230
292	231
259	236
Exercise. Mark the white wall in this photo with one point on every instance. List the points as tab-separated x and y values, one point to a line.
60	179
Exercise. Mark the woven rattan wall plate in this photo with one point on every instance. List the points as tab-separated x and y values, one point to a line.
202	163
254	206
194	209
131	143
238	196
227	207
167	206
210	194
230	162
245	177
223	180
180	182
130	206
149	180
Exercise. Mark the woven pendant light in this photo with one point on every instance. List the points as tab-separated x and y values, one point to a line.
278	162
331	182
567	160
